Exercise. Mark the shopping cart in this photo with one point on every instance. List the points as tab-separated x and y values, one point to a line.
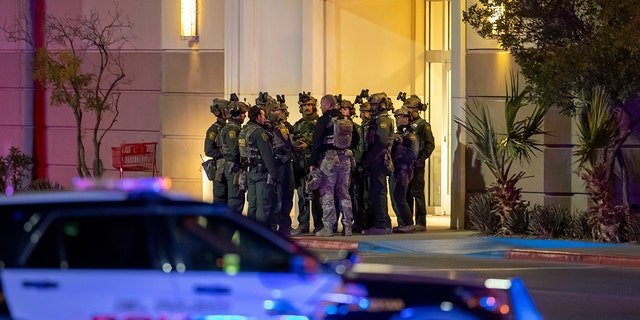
135	157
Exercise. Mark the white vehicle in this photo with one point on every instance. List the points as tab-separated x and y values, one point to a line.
148	255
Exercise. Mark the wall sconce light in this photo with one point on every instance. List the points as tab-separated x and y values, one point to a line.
189	20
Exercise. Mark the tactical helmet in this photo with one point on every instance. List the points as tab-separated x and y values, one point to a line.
402	111
219	107
414	102
267	103
347	104
305	98
313	180
238	107
381	102
365	107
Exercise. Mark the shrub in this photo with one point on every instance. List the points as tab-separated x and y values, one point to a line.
631	228
480	212
580	227
551	221
517	221
45	185
15	169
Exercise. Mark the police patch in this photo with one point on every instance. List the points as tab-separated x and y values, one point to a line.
265	136
428	126
232	134
383	125
212	135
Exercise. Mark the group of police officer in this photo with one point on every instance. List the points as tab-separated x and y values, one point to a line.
337	168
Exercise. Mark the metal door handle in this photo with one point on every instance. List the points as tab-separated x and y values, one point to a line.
212	289
39	284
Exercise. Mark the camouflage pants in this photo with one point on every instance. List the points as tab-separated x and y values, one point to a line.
336	167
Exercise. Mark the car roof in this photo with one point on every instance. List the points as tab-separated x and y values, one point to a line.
62	197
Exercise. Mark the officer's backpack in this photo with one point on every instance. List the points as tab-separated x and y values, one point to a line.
342	132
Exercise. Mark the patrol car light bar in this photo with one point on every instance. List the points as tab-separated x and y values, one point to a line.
156	184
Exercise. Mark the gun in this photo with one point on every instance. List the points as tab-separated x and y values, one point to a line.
234	97
402	96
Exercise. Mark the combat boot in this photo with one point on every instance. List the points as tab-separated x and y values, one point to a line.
325	232
346	231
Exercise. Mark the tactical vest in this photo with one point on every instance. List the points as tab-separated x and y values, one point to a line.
306	128
282	147
221	138
248	148
342	132
214	133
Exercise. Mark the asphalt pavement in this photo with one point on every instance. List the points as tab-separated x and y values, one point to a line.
440	239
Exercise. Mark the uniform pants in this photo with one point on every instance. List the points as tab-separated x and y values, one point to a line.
260	197
399	185
416	193
378	196
336	170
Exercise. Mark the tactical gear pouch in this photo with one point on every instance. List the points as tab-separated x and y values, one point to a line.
209	168
342	132
219	172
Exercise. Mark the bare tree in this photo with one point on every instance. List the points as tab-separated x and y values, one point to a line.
81	64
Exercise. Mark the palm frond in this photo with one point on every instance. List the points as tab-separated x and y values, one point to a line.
597	129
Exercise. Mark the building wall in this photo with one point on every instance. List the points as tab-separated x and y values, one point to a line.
173	83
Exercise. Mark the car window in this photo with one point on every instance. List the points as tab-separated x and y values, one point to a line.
215	243
118	242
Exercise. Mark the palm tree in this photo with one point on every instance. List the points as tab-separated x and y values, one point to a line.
600	142
499	151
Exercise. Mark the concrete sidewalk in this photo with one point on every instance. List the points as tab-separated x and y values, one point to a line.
441	240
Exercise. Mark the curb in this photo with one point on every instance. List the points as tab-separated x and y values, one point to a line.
313	243
559	256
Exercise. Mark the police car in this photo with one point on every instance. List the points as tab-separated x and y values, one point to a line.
141	253
128	249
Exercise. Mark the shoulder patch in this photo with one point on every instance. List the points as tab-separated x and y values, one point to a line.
265	136
232	134
212	135
383	125
428	126
412	137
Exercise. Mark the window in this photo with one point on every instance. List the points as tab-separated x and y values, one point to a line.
118	242
202	243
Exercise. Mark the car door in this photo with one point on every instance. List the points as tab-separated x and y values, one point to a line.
227	268
90	267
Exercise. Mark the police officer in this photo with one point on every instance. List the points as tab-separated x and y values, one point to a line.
422	129
257	147
333	139
404	153
212	150
231	151
363	218
305	127
349	111
377	162
283	152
